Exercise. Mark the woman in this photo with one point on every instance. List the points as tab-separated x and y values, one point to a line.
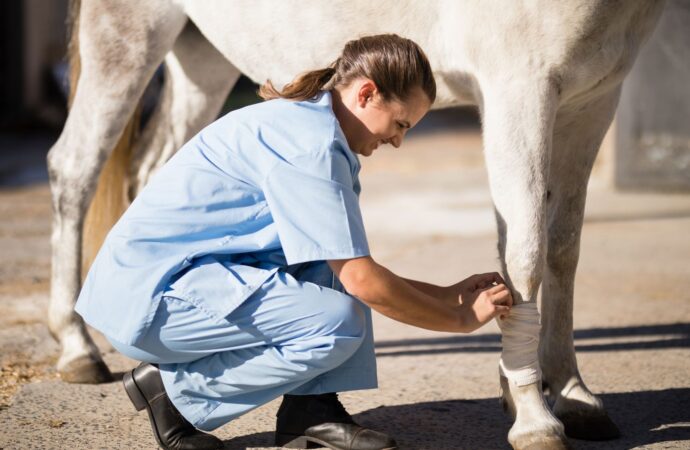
242	271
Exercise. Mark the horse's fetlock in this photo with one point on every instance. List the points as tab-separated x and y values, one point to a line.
84	369
585	419
583	402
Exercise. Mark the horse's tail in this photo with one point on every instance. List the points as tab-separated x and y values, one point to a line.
110	199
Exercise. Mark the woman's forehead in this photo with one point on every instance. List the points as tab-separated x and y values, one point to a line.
414	107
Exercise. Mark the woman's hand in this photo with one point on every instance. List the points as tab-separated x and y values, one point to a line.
481	297
480	281
454	293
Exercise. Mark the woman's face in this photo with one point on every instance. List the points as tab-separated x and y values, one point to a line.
370	121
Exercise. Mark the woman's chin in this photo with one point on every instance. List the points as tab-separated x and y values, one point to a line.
366	151
371	150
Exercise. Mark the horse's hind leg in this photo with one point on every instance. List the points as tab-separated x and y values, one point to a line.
577	137
198	79
196	83
518	116
119	51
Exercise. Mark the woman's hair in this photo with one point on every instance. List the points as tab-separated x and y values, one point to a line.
396	65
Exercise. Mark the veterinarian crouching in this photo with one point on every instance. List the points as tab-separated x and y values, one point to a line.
242	271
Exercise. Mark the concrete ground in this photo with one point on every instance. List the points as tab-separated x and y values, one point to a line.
429	216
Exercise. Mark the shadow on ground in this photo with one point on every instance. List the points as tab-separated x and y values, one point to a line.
644	418
642	337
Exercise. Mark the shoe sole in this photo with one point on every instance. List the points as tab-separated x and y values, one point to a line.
137	397
286	440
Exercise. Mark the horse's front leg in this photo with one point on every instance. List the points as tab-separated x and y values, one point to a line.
118	53
577	136
518	122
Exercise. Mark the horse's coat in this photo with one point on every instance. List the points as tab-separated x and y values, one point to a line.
546	76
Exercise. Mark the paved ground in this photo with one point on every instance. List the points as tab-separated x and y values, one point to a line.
428	214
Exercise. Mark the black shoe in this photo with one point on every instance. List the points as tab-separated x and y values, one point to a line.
312	421
172	431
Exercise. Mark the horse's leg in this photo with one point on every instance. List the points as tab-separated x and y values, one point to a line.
518	123
197	81
119	51
577	136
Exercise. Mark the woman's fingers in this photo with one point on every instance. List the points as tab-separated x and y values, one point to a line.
485	280
476	281
500	295
494	277
497	289
482	281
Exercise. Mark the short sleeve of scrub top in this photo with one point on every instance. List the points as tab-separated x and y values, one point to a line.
315	208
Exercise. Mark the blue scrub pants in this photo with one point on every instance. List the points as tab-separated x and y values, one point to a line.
290	336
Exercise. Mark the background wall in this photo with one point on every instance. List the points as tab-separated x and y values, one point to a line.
653	126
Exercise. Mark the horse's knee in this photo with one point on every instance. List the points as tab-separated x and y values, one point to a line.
56	163
524	273
562	253
65	176
564	229
521	246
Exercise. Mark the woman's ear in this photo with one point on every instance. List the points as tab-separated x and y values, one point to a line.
366	92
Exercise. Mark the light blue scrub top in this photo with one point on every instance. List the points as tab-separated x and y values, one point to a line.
265	187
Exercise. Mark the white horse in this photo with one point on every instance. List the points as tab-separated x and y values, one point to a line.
546	76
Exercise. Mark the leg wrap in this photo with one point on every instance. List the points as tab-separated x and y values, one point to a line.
520	360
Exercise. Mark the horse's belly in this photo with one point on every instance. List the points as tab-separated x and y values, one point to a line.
311	36
470	44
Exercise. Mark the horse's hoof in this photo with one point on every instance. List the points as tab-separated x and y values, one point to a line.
549	443
589	426
87	371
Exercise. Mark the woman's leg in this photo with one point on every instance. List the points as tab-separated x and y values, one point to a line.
356	373
313	412
359	371
285	334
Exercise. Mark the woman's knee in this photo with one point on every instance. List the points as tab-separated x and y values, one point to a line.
342	315
339	333
337	326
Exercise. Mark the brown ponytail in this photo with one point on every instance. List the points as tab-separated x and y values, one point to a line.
395	64
304	87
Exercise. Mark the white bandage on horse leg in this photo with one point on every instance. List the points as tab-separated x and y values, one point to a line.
520	360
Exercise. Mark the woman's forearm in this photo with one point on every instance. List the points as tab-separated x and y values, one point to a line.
396	298
439	292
